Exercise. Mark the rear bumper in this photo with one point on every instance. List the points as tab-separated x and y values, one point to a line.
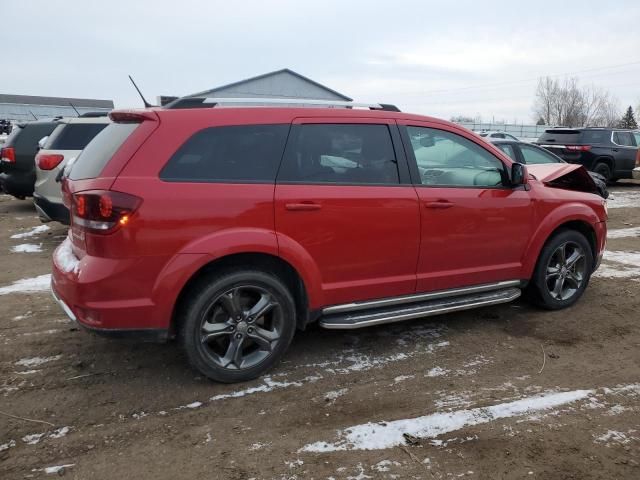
636	173
19	184
108	296
50	211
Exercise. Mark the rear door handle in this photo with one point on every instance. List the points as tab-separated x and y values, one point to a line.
302	207
438	204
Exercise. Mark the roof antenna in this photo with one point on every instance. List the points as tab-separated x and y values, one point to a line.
76	110
33	114
146	104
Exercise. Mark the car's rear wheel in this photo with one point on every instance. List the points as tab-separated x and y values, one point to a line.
237	325
603	169
563	270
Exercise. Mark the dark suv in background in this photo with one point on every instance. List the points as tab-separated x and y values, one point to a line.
17	165
610	152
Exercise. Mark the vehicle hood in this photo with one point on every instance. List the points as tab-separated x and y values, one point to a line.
564	175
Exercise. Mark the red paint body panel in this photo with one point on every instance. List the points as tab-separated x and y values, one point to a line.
360	243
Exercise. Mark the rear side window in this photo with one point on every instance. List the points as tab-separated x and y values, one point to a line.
243	153
594	136
26	140
98	152
341	153
74	136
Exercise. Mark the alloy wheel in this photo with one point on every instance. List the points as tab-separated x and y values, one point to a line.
566	271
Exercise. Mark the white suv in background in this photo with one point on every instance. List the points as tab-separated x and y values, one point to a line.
66	142
497	135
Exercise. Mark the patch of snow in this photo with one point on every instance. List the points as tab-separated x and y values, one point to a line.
64	257
59	433
360	475
190	405
258	446
269	385
294	464
35	361
331	397
385	465
623	199
625	265
32	232
28	372
8	445
57	468
624	232
375	436
22	317
613	436
33	438
27	248
140	415
437	372
402	378
27	285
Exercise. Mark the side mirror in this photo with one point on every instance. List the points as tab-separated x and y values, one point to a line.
427	141
42	141
519	175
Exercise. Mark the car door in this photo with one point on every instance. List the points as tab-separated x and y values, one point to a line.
624	151
475	227
344	200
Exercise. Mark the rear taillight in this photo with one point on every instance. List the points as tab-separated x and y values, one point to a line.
48	161
578	148
103	211
8	154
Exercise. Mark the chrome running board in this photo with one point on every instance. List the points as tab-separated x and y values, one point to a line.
434	306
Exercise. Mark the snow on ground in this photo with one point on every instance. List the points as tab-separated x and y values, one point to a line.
376	436
27	285
269	385
8	445
618	264
35	361
437	372
32	232
624	232
623	199
65	258
27	248
331	397
55	470
612	437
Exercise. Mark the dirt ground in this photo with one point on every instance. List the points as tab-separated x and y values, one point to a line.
506	392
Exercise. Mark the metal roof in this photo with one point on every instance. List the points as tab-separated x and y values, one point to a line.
269	74
55	101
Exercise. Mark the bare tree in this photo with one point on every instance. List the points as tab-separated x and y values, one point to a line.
566	103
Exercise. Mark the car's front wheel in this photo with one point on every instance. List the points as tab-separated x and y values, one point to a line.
237	325
563	270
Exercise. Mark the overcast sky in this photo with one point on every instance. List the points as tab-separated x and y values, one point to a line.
436	58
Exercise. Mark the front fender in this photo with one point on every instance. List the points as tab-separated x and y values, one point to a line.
563	213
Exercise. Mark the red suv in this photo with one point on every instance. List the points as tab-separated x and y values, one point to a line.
231	227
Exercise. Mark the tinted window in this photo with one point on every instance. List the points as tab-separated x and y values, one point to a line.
98	152
497	135
341	153
560	137
508	149
636	135
624	139
594	136
447	159
237	153
74	136
28	138
533	155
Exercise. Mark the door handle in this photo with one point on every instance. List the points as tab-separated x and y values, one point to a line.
302	207
438	204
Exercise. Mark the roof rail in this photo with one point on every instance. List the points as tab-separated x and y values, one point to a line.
210	102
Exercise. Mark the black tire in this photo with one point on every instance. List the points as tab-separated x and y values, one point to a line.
208	329
603	169
550	272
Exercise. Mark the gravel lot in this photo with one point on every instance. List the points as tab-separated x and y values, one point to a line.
502	392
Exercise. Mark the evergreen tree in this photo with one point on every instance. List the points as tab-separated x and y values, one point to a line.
628	120
540	121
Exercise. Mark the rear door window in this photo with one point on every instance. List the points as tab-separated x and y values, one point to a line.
590	137
534	156
358	154
98	152
242	153
74	136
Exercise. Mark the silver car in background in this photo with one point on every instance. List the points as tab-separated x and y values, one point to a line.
64	144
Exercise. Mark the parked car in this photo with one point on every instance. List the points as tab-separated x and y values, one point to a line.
610	152
230	228
529	154
17	166
490	135
5	127
66	142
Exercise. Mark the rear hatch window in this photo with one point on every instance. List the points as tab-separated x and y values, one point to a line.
560	137
99	151
73	136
